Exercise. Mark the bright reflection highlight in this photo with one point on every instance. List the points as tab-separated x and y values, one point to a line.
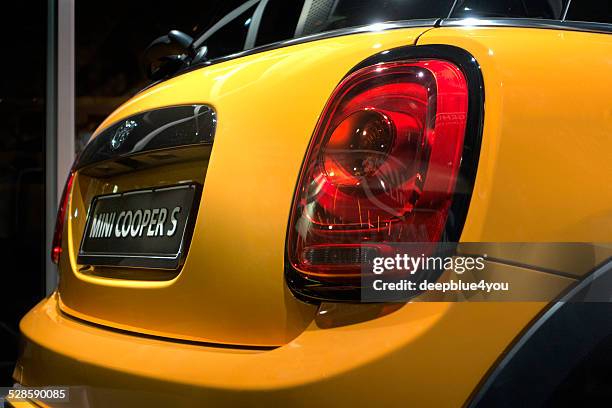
377	27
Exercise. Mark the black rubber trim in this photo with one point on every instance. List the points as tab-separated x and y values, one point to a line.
314	291
567	25
550	346
68	316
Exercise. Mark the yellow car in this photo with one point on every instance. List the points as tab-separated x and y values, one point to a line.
212	235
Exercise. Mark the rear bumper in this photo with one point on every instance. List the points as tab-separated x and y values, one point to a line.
20	404
433	354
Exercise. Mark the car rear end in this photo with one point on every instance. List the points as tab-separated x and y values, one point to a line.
203	261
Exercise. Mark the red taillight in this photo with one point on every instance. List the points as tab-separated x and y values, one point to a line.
381	168
56	247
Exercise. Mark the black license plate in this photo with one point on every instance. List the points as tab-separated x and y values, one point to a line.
143	228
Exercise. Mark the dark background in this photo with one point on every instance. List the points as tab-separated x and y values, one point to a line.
22	163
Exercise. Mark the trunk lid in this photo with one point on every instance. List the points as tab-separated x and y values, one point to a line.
230	288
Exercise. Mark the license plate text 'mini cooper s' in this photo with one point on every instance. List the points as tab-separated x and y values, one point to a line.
143	228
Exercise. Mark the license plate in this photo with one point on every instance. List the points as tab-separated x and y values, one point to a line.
143	228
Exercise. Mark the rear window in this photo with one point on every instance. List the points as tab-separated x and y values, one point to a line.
232	26
247	24
547	9
323	15
598	11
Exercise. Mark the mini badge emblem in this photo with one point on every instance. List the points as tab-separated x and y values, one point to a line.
122	133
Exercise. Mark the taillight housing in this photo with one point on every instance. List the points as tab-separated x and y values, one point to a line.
56	246
382	168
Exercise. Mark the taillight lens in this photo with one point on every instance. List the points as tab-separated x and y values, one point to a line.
381	168
56	247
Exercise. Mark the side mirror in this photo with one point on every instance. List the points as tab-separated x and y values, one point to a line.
170	53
